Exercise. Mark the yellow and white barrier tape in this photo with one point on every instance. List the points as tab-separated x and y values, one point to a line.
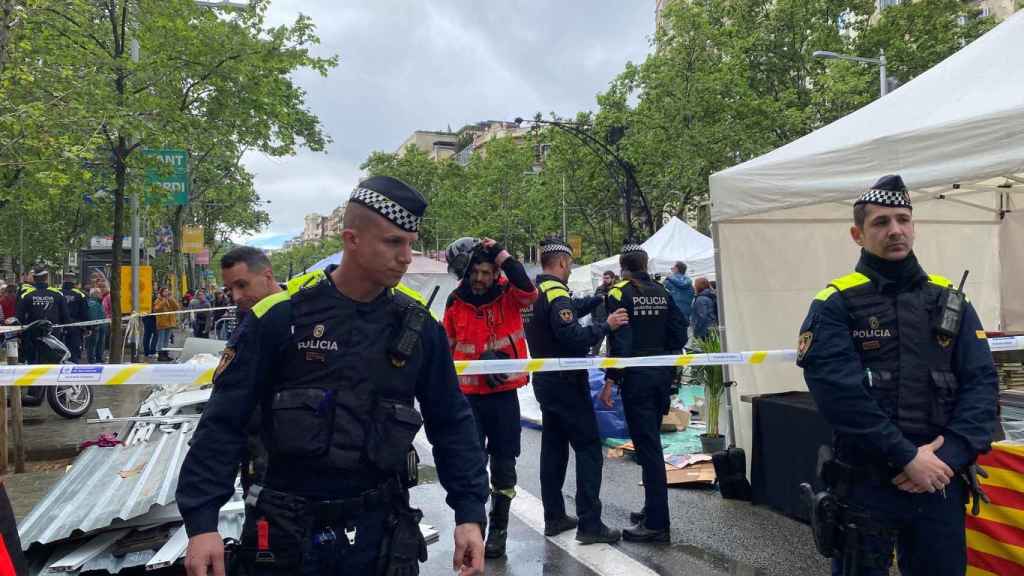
200	374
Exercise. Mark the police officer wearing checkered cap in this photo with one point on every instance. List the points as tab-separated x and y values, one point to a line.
554	331
656	327
335	363
898	364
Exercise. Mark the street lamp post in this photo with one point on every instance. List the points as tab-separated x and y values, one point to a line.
883	80
626	184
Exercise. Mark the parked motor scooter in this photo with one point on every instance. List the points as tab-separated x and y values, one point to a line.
67	400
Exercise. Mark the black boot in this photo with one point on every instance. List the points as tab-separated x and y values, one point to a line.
497	526
641	533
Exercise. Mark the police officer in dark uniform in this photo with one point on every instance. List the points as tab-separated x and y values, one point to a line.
899	366
554	331
335	365
78	311
656	327
42	302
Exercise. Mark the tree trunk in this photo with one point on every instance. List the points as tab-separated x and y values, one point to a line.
6	12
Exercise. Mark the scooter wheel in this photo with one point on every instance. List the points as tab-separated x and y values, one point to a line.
70	401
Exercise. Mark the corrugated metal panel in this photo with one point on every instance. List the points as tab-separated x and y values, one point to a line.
105	484
173	550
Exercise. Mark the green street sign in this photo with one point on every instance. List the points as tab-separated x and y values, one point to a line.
167	182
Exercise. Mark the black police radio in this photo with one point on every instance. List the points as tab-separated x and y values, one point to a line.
952	309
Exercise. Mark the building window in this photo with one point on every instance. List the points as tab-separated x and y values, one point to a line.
883	4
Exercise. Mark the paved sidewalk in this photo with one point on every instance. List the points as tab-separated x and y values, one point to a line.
49	436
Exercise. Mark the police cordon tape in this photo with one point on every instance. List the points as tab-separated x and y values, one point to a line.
125	318
201	374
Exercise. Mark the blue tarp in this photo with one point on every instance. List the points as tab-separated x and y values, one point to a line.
611	422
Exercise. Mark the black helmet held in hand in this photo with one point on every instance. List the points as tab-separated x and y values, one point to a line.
458	254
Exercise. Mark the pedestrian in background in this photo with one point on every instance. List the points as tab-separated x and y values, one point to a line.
77	312
97	334
680	287
8	301
705	308
200	320
165	322
220	301
149	335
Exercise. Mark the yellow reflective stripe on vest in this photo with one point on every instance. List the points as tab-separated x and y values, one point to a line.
54	290
308	279
549	284
940	280
849	281
556	293
616	291
824	294
411	293
264	306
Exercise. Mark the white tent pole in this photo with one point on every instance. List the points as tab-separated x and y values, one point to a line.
731	437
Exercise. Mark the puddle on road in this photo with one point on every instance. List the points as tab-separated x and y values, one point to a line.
718	561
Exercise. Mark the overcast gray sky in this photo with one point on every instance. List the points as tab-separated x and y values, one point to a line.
426	65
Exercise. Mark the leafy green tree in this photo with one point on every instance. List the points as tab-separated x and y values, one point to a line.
122	75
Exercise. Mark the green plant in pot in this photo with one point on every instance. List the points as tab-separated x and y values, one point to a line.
712	378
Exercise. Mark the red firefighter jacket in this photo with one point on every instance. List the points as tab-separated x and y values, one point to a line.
496	325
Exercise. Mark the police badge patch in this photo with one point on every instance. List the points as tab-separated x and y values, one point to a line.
804	344
225	360
566	315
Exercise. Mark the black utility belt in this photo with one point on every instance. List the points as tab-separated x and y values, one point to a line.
836	472
334	510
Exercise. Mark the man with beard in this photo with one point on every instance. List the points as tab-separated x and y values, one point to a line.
483	319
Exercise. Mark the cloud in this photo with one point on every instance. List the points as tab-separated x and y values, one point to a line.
409	66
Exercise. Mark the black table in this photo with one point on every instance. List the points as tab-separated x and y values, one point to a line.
788	431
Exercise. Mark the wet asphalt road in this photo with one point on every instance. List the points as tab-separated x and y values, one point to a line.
710	536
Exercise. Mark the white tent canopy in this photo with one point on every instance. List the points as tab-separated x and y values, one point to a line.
673	242
956	136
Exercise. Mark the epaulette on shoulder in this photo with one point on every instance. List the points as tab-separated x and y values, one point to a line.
842	284
264	305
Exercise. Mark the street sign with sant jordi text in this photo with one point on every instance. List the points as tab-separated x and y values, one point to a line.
167	181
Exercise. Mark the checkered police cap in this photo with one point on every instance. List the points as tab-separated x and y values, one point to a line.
633	248
554	244
888	191
393	199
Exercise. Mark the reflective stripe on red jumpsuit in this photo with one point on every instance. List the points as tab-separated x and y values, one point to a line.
498	325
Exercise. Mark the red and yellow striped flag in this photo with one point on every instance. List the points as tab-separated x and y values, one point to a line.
995	538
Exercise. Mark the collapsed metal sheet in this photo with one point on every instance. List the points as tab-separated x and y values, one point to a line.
107	484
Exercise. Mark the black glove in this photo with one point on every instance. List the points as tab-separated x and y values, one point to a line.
495	380
492	252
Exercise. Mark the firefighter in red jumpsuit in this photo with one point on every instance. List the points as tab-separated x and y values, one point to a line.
483	319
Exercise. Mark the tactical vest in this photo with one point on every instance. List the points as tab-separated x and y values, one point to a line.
649	318
538	330
345	397
907	363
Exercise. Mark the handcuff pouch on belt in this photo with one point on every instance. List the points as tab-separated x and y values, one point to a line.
839	529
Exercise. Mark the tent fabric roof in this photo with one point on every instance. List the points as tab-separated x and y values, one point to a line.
969	102
674	241
420	264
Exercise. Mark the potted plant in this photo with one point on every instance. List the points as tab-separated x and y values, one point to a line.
712	378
